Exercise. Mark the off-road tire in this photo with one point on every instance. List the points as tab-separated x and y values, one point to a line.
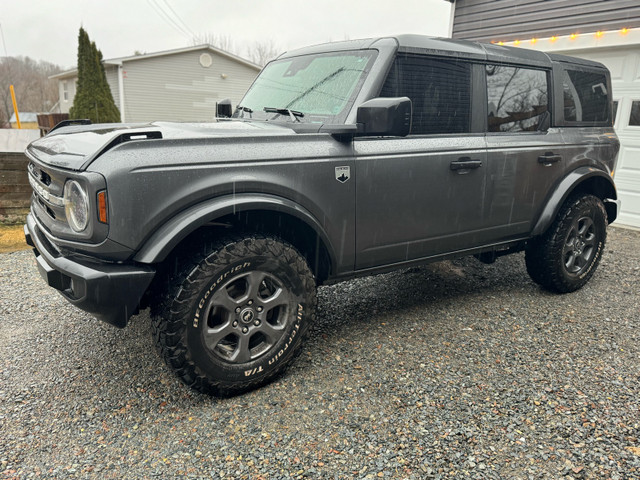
235	316
566	256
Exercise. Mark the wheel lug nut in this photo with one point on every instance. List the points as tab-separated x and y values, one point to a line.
259	309
238	309
245	329
235	324
250	302
257	323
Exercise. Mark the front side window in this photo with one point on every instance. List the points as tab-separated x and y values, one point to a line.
586	98
517	98
321	87
439	89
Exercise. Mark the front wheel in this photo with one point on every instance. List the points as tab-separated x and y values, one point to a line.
235	317
565	257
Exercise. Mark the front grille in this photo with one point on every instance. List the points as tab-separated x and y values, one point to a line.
40	182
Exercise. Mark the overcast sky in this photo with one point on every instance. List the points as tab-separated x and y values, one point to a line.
48	29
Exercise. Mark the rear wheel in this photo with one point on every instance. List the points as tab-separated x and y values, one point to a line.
236	316
567	255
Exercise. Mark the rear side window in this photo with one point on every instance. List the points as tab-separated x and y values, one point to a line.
517	98
439	89
586	98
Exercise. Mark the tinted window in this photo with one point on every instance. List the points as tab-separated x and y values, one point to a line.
615	110
517	98
586	98
440	92
634	118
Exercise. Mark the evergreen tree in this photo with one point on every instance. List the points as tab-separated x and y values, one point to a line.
93	98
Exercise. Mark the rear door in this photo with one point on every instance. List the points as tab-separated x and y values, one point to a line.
525	158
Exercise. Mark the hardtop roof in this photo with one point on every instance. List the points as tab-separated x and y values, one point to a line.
425	44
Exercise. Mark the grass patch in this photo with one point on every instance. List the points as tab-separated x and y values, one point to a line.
12	238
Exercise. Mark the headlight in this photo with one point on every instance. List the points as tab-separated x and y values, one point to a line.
76	205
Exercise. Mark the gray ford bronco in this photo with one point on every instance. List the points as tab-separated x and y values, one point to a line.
344	159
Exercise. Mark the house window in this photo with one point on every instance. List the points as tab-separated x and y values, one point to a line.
634	117
585	97
439	89
65	91
517	98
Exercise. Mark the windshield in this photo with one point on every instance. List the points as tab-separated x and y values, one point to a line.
316	88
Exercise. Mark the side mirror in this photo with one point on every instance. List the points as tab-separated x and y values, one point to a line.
224	109
385	117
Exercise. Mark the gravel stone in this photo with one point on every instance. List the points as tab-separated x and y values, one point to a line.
452	370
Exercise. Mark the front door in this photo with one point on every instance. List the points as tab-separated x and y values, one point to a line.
418	197
423	195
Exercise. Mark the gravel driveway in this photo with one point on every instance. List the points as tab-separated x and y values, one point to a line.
455	370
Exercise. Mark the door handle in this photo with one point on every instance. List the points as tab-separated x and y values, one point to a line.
549	158
465	163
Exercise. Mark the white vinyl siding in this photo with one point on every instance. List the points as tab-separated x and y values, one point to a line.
111	71
177	87
68	84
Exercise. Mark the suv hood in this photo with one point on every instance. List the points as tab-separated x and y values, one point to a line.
75	147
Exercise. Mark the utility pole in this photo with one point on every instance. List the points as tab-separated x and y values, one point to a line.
15	106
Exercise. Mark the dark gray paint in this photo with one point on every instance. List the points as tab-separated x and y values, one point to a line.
508	20
403	204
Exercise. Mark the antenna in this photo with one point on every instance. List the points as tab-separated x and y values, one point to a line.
4	44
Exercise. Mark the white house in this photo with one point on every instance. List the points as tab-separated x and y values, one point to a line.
173	85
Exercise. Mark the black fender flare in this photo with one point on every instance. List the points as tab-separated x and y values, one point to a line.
158	246
568	184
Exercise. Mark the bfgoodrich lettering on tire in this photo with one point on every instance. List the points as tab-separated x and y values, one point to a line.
236	316
567	255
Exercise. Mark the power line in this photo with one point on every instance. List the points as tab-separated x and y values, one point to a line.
167	18
4	44
177	17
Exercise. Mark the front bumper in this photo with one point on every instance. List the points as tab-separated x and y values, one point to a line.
109	291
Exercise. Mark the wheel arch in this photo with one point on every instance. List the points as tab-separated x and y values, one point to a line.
585	180
245	212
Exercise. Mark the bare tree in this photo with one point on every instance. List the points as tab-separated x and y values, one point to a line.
223	42
35	92
262	52
259	53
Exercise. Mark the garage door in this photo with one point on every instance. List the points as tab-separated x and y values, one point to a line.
624	64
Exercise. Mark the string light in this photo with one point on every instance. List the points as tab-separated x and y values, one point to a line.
555	38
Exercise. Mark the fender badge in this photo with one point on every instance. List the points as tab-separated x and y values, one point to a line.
343	174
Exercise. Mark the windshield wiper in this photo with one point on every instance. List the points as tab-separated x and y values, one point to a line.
293	114
244	109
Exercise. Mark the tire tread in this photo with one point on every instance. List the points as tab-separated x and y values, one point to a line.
543	256
173	299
